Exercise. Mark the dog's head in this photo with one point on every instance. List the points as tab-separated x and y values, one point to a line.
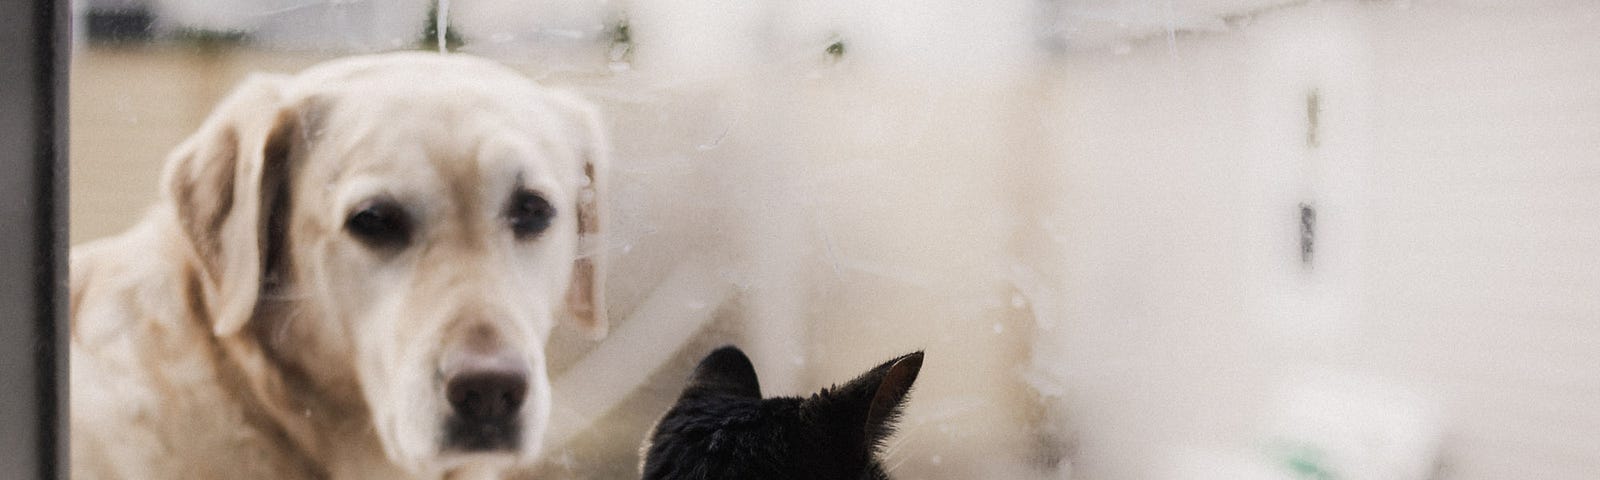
401	231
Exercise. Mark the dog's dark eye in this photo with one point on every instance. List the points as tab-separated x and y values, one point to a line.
529	214
380	224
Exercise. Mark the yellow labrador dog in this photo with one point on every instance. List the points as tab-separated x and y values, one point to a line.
352	273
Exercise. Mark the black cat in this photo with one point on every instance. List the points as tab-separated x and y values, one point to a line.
721	428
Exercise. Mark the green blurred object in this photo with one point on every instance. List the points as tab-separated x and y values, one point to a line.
430	33
1304	460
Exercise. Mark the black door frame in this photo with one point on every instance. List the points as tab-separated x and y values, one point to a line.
34	45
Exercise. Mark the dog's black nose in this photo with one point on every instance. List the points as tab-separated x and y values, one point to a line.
492	396
486	389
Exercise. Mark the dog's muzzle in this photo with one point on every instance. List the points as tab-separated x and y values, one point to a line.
486	392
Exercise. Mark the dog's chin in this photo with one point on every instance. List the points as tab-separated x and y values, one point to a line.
487	462
433	455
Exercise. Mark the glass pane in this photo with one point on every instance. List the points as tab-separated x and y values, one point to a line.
1135	239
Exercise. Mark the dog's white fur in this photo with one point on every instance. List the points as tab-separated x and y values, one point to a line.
240	331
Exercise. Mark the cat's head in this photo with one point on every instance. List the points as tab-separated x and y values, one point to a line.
721	428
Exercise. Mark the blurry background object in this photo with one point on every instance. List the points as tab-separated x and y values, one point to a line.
1138	239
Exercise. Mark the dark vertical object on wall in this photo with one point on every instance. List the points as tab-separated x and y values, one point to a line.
1313	119
1308	209
34	36
1308	233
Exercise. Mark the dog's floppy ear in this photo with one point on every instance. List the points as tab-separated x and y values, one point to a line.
586	293
224	182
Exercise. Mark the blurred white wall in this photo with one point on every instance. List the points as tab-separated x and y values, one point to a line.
1453	178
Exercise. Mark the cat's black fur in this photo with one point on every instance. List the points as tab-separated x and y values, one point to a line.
721	428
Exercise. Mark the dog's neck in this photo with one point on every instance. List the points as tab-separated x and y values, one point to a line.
360	459
245	370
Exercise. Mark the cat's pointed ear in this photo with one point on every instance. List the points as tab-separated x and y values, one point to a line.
725	371
891	394
879	395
